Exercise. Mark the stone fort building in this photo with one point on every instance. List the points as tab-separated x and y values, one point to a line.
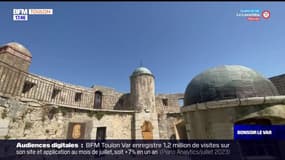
36	107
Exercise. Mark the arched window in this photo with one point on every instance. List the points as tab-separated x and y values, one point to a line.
98	100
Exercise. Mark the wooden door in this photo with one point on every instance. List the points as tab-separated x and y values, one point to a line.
147	135
147	130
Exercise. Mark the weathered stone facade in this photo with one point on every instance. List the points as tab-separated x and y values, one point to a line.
35	120
279	82
36	107
167	114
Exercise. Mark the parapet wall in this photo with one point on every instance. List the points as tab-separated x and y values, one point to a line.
44	90
28	87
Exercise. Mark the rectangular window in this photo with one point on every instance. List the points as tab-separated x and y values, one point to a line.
55	92
165	102
28	86
98	100
101	133
78	96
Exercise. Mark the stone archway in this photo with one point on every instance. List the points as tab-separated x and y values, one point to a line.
147	128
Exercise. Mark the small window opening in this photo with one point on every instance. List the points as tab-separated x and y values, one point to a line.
78	96
28	86
55	92
98	100
165	102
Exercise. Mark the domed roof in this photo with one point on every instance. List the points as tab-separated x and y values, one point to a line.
141	70
19	47
227	82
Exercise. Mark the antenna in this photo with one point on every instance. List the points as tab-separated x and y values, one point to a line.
141	63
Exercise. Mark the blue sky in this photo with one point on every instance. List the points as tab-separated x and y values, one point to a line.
101	43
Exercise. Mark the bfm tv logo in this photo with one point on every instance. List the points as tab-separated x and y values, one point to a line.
22	14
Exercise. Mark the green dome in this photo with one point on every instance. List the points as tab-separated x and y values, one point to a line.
227	82
140	71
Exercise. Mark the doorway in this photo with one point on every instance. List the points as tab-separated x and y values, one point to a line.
101	133
147	130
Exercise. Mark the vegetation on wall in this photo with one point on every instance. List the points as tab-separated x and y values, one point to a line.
4	114
63	110
90	114
98	115
28	125
24	114
51	111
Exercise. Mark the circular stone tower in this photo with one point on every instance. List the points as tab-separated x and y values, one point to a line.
142	90
15	60
142	99
16	55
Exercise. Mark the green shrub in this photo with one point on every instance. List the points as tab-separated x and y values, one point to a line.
7	137
90	114
4	114
99	115
63	110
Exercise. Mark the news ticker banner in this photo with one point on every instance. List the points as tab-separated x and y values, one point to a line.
259	132
138	149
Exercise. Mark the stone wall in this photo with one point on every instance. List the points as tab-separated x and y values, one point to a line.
44	88
143	92
33	106
113	99
11	80
118	125
167	125
168	110
215	120
279	82
34	120
15	58
168	103
140	119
